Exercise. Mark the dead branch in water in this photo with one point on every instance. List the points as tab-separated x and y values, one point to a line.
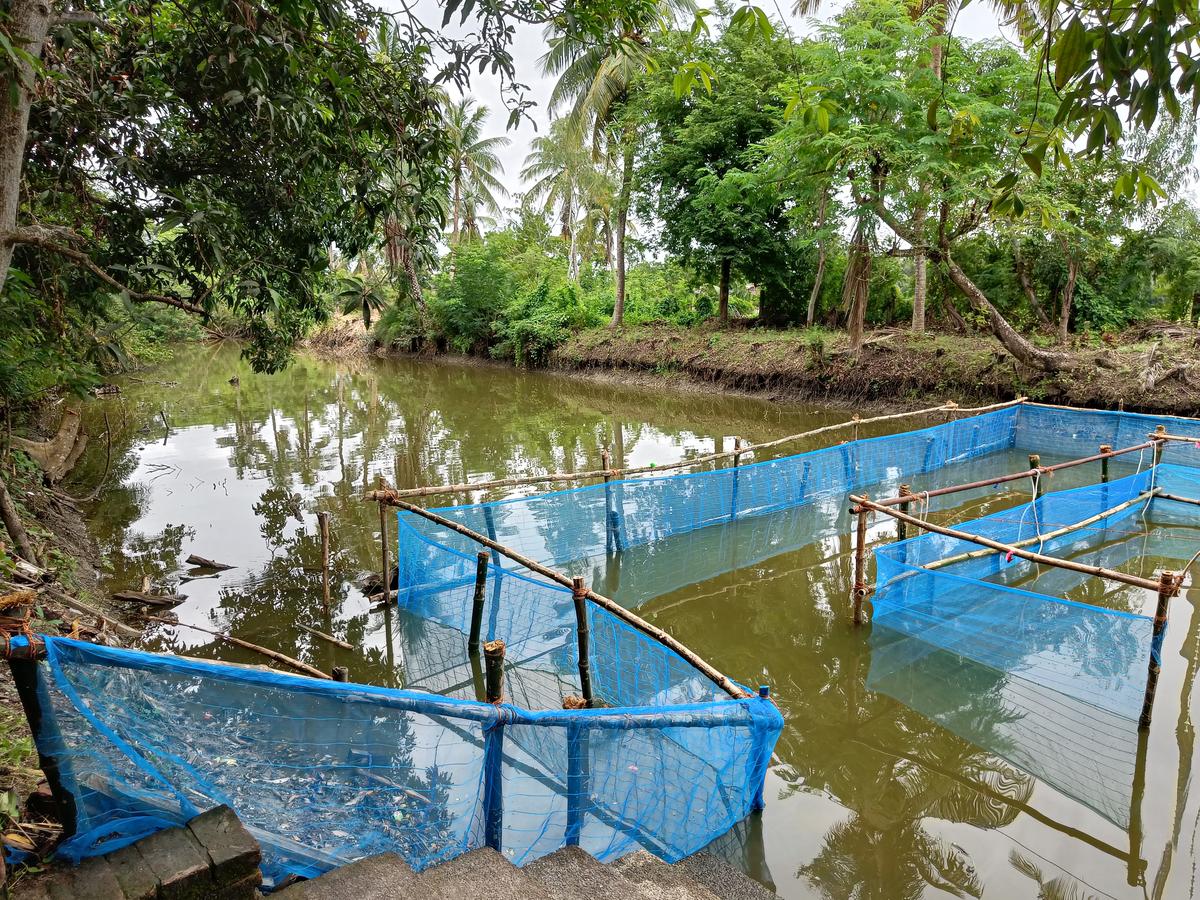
246	645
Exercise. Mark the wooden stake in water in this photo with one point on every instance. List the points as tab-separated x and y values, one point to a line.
323	523
481	569
859	593
902	527
493	659
383	541
1160	432
341	673
579	594
1168	586
1104	448
1035	462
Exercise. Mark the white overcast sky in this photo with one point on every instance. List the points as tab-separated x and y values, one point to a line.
976	21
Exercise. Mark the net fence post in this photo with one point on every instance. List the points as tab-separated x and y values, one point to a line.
1159	443
385	572
578	775
579	597
481	569
610	537
1104	448
1035	462
902	526
27	677
493	749
859	592
1167	588
733	494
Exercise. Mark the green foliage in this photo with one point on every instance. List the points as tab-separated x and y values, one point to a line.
538	321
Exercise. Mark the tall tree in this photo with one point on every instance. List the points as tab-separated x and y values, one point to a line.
474	165
594	80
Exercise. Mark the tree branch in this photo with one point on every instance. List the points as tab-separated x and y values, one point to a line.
80	17
43	238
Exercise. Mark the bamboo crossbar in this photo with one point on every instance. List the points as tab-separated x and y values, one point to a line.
1177	499
1098	571
1040	538
554	477
1014	476
1183	438
695	660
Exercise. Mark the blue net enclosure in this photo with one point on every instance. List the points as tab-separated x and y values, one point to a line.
991	646
324	773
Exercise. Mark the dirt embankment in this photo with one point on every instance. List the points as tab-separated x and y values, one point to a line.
1154	369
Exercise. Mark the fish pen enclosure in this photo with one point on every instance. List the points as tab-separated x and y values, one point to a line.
541	711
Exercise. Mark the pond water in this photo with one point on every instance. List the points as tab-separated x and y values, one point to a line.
866	797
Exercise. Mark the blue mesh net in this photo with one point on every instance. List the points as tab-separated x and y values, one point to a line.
324	773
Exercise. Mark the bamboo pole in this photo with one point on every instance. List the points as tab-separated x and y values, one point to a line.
341	674
611	606
1015	476
493	659
1099	571
481	570
859	592
1163	436
1048	536
433	490
246	645
1159	443
1168	587
386	579
1105	449
1035	467
579	597
337	642
323	524
1177	499
901	527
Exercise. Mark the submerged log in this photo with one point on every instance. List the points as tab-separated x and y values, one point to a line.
205	563
161	600
337	642
246	645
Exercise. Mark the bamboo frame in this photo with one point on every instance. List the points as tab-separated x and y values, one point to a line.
605	603
1099	571
1183	438
606	473
1177	499
1049	535
1015	476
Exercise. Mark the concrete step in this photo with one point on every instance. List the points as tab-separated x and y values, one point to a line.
382	877
658	880
481	873
723	879
574	874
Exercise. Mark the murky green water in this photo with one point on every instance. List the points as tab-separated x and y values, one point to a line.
866	798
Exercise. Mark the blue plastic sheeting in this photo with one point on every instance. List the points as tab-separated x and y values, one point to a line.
988	647
324	773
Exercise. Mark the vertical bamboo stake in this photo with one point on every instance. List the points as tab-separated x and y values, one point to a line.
341	673
1158	448
1104	448
1167	588
323	523
737	459
856	421
481	568
860	562
383	544
902	527
609	537
579	596
1035	462
493	658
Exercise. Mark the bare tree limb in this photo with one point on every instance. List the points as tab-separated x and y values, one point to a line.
44	239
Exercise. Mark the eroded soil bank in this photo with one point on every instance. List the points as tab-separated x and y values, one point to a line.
1148	370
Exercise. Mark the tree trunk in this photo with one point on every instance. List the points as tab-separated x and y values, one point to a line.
1027	286
1014	342
1068	297
622	223
29	25
723	292
855	287
12	523
920	280
457	204
822	252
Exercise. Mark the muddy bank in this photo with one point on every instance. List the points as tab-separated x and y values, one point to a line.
1150	370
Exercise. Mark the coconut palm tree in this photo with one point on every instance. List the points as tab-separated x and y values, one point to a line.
473	163
593	84
569	183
